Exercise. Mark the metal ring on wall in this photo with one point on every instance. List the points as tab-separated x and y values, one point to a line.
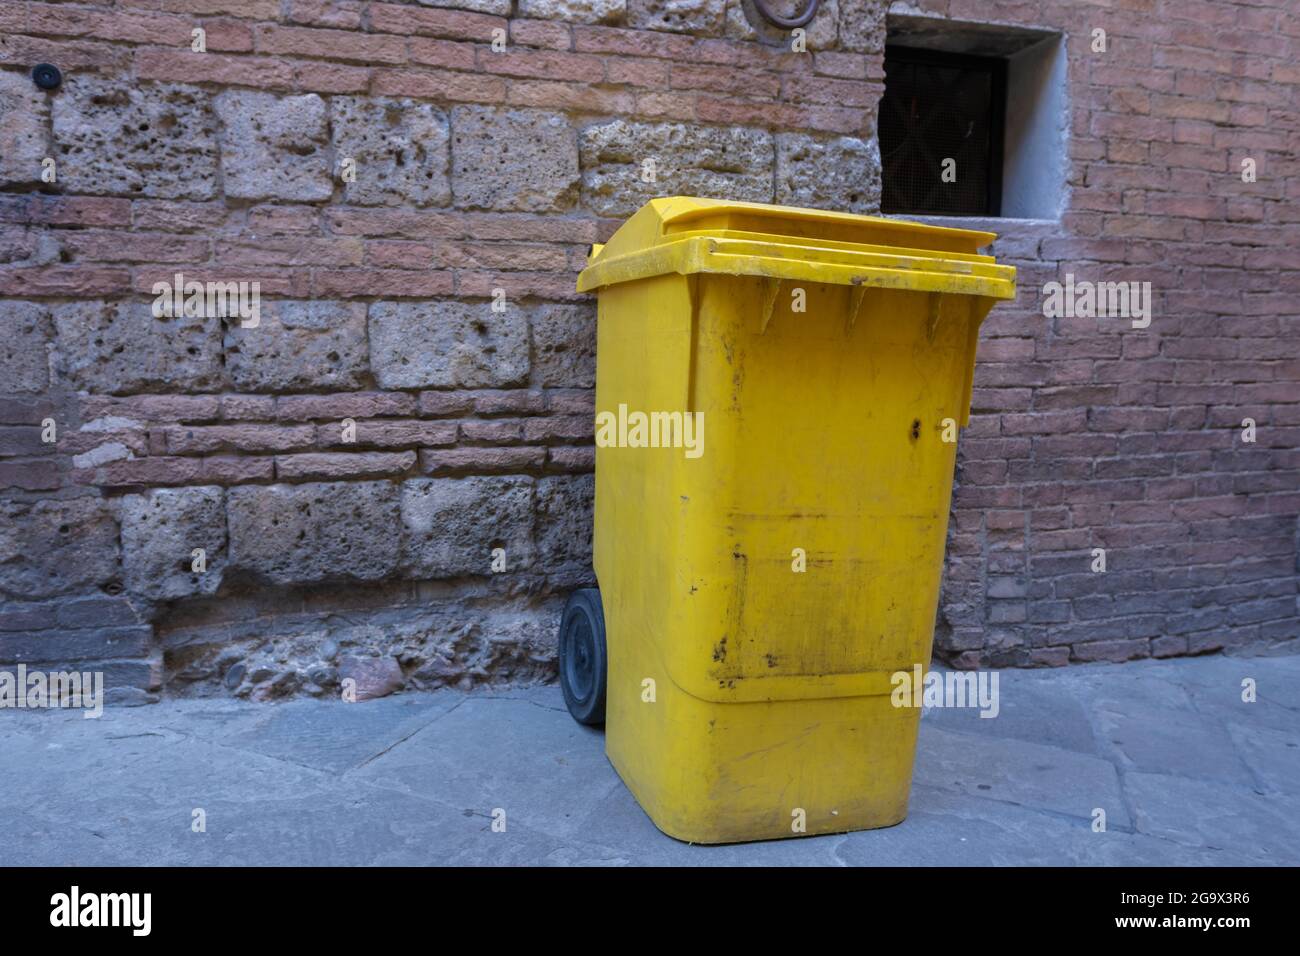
786	23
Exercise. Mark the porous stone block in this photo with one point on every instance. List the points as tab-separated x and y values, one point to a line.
298	346
122	347
564	345
274	147
564	521
574	11
56	546
116	137
699	17
289	534
625	164
161	531
839	173
399	148
453	524
24	130
513	159
448	344
25	331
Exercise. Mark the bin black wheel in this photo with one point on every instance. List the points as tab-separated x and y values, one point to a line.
583	664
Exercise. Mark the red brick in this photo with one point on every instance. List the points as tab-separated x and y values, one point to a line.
853	66
684	76
580	459
481	461
387	433
343	14
41	475
382	283
405	21
541	285
295	251
560	428
544	64
152	408
637	71
435	404
63	281
163	215
232	469
542	33
439	85
247	407
330	78
497	432
182	66
94	246
509	402
195	439
444	53
141	471
326	466
342	405
595	39
572	96
273	220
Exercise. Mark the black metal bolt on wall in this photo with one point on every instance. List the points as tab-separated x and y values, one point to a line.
46	76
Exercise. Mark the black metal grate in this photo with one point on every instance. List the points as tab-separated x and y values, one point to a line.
938	106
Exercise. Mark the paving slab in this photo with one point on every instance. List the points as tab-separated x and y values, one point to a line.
1188	773
1265	827
1031	707
518	754
1012	771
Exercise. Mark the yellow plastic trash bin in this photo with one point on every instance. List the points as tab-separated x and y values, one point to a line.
778	393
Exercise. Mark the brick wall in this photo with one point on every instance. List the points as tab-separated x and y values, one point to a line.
1088	433
482	176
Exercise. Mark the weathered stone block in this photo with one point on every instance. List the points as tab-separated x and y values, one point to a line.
574	11
61	646
299	345
113	136
447	345
862	25
25	330
116	348
371	677
400	151
513	159
299	533
700	17
499	7
274	147
52	547
564	345
160	532
371	464
453	524
24	121
97	611
840	173
564	521
722	162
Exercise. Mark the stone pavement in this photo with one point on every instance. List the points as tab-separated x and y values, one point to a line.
1188	775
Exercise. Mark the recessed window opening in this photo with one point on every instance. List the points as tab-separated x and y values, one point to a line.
973	121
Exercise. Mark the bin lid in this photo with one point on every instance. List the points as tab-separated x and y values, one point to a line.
687	235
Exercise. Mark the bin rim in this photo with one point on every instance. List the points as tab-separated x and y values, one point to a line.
685	235
687	208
